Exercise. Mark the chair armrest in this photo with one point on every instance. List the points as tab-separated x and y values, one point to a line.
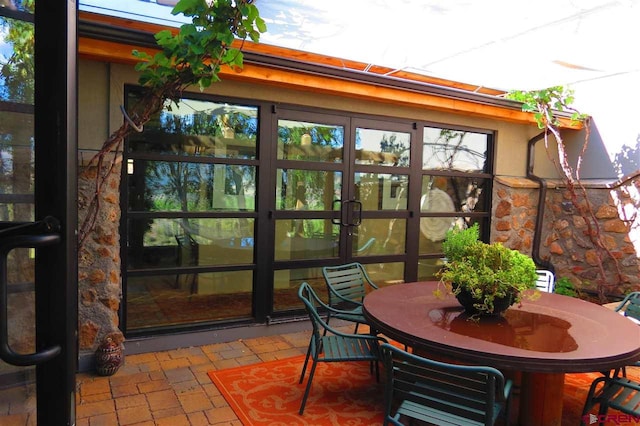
344	299
507	389
351	335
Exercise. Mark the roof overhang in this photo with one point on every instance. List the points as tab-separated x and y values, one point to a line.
112	39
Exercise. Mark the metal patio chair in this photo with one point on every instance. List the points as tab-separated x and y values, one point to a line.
330	345
440	393
630	306
347	286
546	281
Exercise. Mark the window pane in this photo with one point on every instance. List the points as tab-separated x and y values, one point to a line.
190	187
382	191
199	128
445	149
453	194
169	300
16	61
163	243
382	147
389	234
300	140
431	234
286	285
385	274
307	189
306	239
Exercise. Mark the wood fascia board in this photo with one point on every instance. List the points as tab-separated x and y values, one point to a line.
121	53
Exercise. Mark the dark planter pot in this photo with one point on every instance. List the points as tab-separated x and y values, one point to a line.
109	358
500	304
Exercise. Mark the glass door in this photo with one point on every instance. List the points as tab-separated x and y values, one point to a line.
380	178
310	169
341	195
37	214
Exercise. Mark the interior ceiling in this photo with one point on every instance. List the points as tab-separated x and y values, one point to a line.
502	44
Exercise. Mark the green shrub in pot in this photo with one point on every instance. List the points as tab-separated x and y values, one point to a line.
493	276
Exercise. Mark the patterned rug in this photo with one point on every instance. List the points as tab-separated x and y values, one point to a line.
268	393
343	393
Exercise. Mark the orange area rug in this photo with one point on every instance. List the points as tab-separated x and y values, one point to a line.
343	393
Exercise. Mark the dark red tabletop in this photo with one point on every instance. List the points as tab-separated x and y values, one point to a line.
551	334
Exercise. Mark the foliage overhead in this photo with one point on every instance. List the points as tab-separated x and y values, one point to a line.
546	103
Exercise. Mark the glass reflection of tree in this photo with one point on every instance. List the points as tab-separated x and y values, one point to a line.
306	189
451	152
184	186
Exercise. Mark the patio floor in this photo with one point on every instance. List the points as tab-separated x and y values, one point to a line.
172	388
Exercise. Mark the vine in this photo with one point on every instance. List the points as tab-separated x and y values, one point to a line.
192	56
545	104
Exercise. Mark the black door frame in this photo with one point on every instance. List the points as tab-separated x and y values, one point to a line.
56	195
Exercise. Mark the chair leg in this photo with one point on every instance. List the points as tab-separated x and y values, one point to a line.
308	388
304	366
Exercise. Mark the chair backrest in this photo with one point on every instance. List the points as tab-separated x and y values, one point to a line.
631	305
434	387
346	283
546	281
312	304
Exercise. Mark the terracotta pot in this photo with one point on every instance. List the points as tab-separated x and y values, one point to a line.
108	357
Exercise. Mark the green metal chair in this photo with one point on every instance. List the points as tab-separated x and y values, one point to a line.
346	286
613	391
440	393
630	306
330	345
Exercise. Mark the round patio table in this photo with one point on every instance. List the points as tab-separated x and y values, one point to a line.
542	339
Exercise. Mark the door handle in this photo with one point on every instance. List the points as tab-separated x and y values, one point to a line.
6	353
356	211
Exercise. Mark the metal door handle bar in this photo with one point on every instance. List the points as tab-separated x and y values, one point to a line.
6	353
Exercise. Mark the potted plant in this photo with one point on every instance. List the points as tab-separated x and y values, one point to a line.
485	278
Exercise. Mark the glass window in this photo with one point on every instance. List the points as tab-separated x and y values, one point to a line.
300	140
386	236
165	243
298	239
307	189
382	147
198	128
286	285
381	191
190	187
446	149
170	300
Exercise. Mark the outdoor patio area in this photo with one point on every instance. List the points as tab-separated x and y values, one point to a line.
173	388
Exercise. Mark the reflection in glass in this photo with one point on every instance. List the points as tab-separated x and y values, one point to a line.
301	140
198	128
453	194
446	149
382	191
16	61
389	236
169	300
431	236
189	242
286	284
307	189
180	186
385	274
306	239
382	147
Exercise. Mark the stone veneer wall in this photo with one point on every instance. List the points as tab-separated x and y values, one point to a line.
99	281
564	239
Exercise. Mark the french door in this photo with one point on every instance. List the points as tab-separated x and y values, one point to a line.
38	275
341	195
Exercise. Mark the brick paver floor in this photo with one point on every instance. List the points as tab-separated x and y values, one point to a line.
172	388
